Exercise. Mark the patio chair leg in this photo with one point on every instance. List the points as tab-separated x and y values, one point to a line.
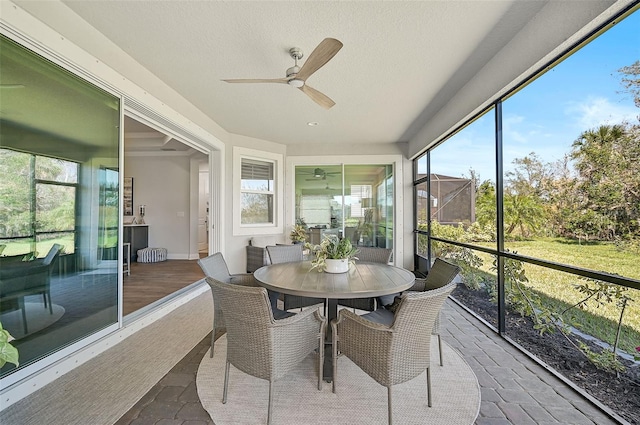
270	401
24	316
334	357
429	386
50	305
390	408
226	382
320	360
213	336
440	349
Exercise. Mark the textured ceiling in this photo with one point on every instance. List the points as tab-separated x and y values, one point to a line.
400	63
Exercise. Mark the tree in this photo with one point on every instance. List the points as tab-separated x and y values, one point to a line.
523	212
486	204
530	176
630	80
526	188
607	160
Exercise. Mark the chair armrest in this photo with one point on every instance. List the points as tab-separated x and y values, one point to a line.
346	316
243	279
355	336
418	286
303	315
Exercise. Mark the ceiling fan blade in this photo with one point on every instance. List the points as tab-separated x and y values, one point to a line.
267	80
321	99
320	56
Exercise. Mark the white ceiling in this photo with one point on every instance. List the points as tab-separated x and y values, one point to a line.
400	59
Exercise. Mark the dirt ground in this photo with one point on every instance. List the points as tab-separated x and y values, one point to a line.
619	392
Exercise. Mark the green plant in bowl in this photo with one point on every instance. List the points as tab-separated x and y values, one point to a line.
332	248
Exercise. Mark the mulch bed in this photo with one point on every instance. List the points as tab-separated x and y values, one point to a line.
620	393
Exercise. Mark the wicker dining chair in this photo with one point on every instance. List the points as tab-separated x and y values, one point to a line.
289	254
261	346
369	255
214	266
441	274
395	352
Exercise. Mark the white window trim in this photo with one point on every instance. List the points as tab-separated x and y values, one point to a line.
277	227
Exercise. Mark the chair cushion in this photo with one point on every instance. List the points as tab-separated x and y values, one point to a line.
381	315
387	299
395	305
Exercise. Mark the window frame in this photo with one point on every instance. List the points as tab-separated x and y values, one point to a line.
240	229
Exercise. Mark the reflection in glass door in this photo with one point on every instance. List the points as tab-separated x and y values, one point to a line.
353	201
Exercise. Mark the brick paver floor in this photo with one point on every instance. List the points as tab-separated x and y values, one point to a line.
514	389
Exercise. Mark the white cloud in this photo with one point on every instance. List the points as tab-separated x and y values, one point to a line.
596	111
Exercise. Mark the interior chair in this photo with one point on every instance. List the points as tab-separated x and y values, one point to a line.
289	254
214	266
261	346
368	255
394	351
49	262
23	278
441	274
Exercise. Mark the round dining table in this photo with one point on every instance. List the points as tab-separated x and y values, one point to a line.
363	280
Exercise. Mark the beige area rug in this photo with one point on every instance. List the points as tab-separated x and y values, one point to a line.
38	318
358	400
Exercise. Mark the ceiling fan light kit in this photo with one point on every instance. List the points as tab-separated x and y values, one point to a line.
297	76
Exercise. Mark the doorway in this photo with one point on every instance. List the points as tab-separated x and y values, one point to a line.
176	210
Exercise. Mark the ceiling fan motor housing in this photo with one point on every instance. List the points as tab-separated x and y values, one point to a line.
293	71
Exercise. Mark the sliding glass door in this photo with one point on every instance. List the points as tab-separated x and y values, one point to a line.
353	201
59	156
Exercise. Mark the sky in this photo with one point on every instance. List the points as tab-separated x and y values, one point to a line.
545	117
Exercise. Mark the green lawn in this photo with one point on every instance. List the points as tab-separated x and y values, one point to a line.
558	292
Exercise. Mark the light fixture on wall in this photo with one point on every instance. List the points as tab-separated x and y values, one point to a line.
142	210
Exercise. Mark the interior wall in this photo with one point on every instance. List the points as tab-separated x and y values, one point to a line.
166	195
235	251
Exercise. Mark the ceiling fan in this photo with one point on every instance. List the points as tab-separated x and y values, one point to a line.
319	174
297	76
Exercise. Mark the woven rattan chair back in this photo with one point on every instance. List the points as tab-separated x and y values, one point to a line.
260	346
215	267
288	254
285	253
374	255
248	316
441	274
368	255
395	354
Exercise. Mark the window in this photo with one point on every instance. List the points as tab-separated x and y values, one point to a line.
537	201
257	191
355	201
47	204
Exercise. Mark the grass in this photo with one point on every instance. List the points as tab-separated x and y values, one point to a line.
557	290
22	247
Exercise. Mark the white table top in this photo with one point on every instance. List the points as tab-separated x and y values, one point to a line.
363	280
